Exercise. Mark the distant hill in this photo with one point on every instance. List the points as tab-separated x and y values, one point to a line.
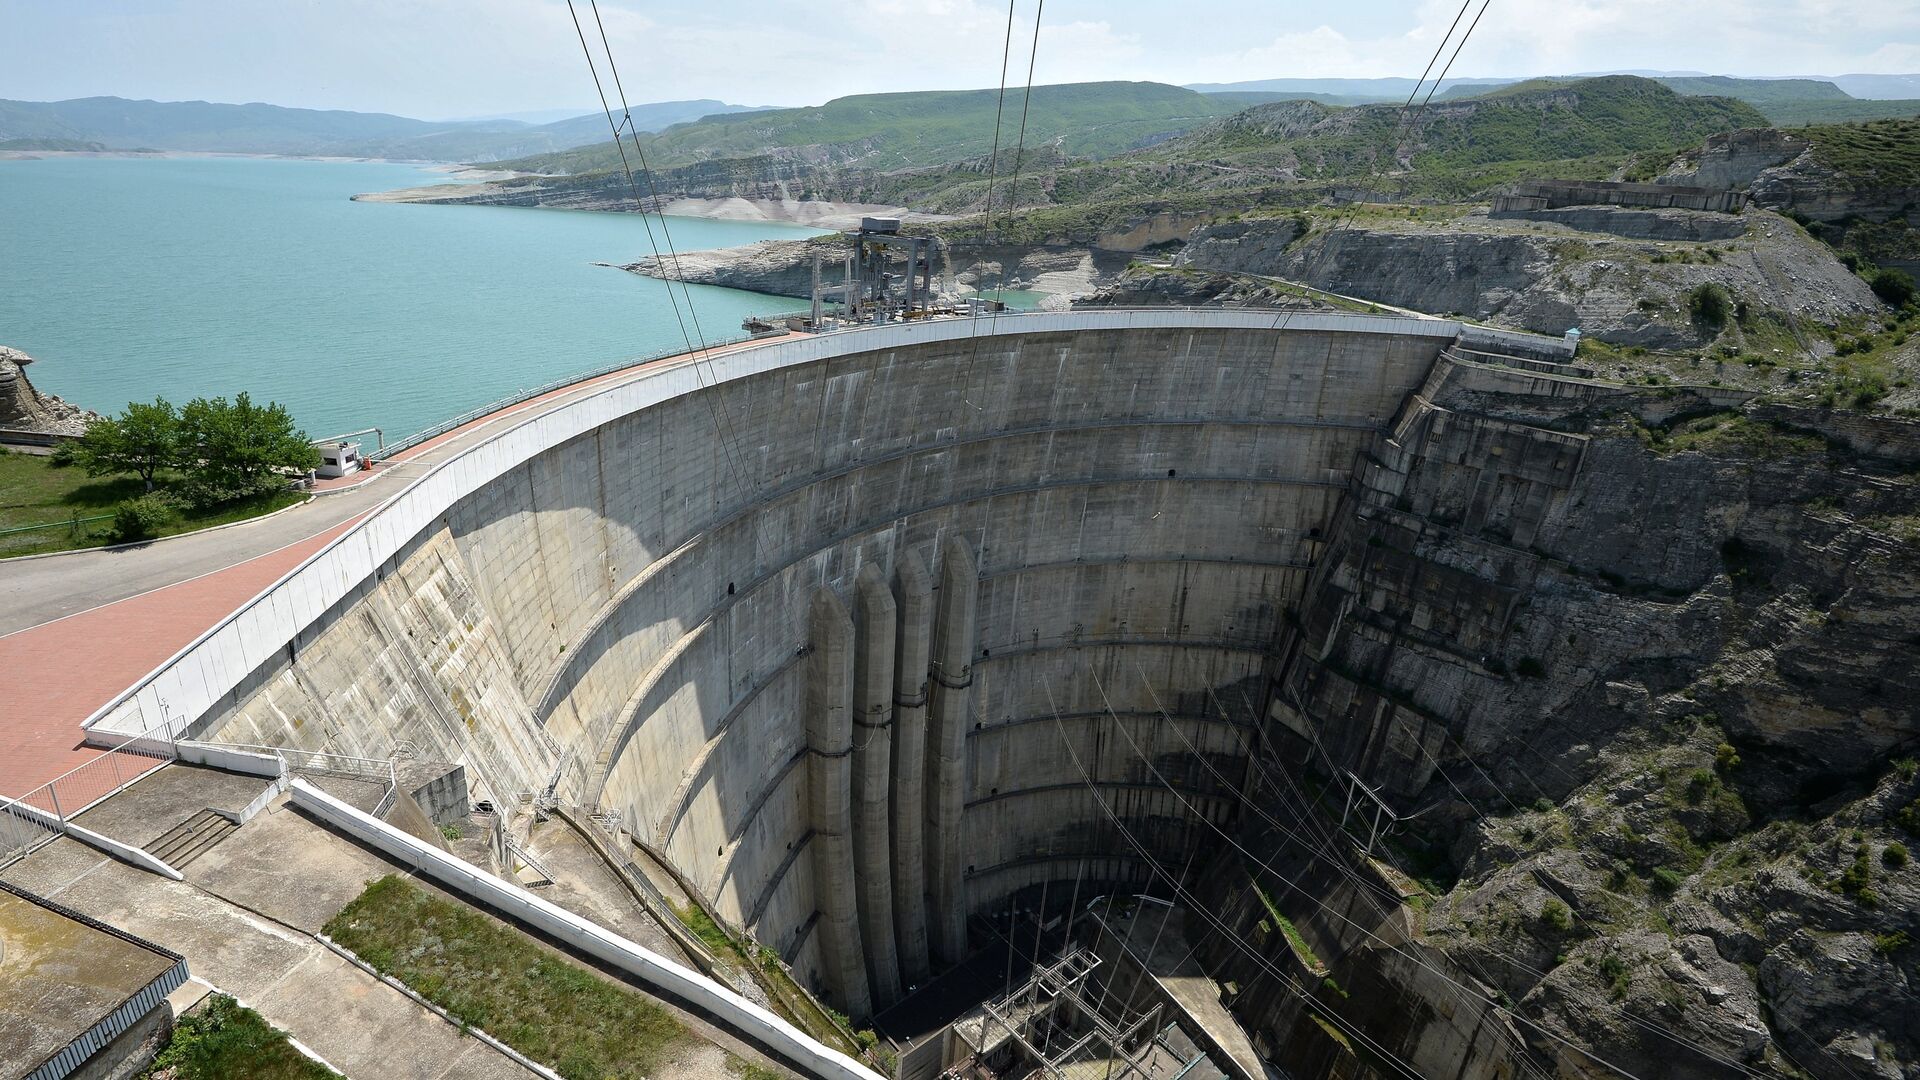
1249	98
886	131
1388	89
1786	102
257	128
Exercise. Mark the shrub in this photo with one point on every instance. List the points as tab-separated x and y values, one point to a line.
1667	881
1557	916
143	517
1710	305
1894	855
1699	783
1894	286
1725	758
1888	944
1530	668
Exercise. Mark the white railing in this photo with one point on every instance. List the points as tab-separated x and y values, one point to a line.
381	771
520	396
38	816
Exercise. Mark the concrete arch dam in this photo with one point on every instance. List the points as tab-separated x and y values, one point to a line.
837	622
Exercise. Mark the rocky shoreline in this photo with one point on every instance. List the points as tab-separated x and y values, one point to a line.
24	409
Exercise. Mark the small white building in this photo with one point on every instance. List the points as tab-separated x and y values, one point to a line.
339	459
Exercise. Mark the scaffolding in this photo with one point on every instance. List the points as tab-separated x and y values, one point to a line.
1050	1026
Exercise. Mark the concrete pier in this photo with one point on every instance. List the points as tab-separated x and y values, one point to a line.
829	768
872	762
913	600
952	680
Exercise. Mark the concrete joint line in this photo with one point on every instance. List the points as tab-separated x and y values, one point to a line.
817	752
913	702
881	726
954	684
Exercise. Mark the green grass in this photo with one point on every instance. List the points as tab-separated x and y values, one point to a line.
495	978
223	1040
1883	153
1300	947
920	128
1730	432
35	492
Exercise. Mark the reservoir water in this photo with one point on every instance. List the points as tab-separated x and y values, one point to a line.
130	278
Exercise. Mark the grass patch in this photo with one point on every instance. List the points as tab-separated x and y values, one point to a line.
750	1070
35	492
492	977
1730	432
1300	947
224	1040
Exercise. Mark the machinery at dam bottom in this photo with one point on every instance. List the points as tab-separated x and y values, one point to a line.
988	682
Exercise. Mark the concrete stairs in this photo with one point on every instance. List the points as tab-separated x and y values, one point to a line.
191	838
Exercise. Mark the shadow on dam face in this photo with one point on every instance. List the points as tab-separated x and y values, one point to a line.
862	604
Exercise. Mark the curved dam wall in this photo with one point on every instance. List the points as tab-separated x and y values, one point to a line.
803	611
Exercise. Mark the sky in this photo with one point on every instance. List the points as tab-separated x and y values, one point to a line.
457	58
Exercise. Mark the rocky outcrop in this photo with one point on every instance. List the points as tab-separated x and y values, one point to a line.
1546	276
775	267
1639	660
1734	159
22	408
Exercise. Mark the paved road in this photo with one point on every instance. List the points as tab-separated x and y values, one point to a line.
79	628
37	591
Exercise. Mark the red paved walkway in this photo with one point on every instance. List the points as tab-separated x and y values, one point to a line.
54	676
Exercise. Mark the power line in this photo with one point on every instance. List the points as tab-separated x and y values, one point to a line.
721	428
1020	151
1285	981
993	171
1194	812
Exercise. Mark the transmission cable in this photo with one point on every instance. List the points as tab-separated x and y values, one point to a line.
1195	812
1323	849
1285	981
993	171
626	168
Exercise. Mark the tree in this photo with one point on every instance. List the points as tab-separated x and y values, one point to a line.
142	440
1894	286
240	449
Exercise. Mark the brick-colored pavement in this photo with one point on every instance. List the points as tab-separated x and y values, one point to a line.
55	675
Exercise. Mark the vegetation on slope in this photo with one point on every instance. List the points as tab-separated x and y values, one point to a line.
1882	153
888	131
224	1040
499	980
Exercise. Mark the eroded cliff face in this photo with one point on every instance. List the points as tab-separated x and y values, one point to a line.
1620	275
1646	667
23	408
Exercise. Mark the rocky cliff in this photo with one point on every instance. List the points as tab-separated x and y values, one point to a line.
22	408
1640	671
1620	275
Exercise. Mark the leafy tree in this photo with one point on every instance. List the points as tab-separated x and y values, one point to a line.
240	448
1892	285
142	440
1710	305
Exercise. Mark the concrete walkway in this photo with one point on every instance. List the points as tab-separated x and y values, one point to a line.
78	628
245	919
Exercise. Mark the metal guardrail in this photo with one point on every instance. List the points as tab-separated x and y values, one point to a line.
325	763
399	446
42	814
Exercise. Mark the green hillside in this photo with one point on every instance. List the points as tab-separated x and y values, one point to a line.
890	131
1784	102
1880	154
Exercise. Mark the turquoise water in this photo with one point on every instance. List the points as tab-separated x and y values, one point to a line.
128	278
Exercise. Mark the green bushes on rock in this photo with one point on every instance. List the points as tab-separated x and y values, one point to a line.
1892	285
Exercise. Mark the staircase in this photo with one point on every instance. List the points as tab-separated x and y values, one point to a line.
191	838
